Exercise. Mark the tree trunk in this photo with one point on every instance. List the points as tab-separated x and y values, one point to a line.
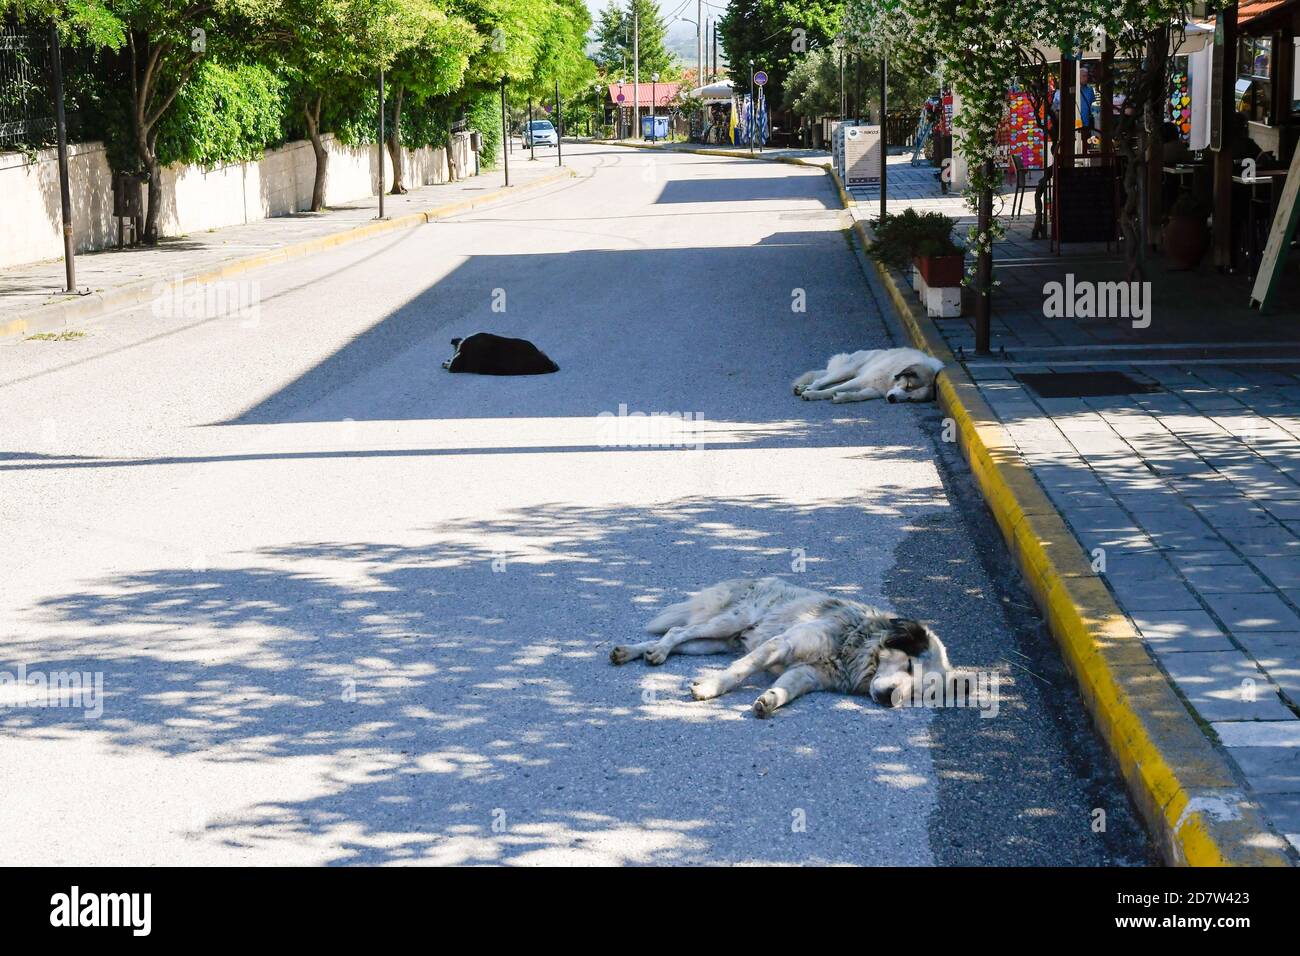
395	144
155	201
311	114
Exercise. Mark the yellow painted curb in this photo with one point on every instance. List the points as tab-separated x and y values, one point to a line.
59	315
1189	794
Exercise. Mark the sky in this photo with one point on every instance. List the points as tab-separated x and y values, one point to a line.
681	35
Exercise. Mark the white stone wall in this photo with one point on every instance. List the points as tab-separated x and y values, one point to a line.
194	199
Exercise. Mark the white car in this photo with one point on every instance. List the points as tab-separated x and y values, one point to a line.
540	133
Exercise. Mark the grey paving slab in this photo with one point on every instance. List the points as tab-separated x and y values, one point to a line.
1176	632
1274	733
1224	556
1137	595
1270	769
1225	685
1281	572
1225	579
1253	612
1284	810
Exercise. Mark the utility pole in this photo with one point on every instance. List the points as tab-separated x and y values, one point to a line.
715	48
65	193
699	42
636	69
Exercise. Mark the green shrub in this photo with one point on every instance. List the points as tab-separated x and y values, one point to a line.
226	113
902	237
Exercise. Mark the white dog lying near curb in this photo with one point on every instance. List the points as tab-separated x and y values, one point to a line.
896	375
810	640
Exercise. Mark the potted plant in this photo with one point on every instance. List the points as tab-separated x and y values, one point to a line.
940	261
899	236
1185	235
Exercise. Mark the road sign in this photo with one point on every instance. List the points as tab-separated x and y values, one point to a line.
620	97
547	107
760	78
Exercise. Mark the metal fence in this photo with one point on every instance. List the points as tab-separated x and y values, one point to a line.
26	101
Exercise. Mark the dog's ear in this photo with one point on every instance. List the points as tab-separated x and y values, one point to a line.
912	371
907	636
455	343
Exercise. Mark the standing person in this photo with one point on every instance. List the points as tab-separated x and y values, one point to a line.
1085	98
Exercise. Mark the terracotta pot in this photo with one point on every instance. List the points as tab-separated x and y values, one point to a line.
1185	241
941	272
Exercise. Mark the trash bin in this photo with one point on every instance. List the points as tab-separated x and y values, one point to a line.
654	127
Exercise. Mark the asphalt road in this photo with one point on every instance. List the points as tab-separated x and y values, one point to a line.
349	608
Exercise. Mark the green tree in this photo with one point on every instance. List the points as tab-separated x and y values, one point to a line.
776	35
613	39
331	50
152	50
431	67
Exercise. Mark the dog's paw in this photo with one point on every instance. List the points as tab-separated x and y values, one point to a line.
620	655
706	688
766	704
655	656
799	389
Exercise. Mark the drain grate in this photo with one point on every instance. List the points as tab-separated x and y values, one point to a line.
1084	384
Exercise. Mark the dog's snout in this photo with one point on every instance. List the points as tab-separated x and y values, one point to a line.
891	398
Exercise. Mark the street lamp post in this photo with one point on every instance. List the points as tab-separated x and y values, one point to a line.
559	127
532	140
839	45
381	144
750	129
884	138
654	102
65	194
505	132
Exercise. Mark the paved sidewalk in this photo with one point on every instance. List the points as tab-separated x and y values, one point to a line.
1187	496
28	287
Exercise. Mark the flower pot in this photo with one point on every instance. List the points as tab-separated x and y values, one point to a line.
1185	241
941	271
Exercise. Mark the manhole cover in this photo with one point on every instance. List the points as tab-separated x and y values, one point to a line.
1084	384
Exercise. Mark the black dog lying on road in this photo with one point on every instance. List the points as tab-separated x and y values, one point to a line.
486	354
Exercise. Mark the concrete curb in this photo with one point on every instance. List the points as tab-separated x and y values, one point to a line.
1189	794
59	315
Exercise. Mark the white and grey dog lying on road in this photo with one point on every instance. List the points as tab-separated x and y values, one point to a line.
896	375
811	640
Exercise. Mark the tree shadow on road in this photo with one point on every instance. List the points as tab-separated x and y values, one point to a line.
444	696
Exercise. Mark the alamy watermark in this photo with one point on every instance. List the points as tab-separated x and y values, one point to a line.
1083	299
977	690
624	429
178	299
83	689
